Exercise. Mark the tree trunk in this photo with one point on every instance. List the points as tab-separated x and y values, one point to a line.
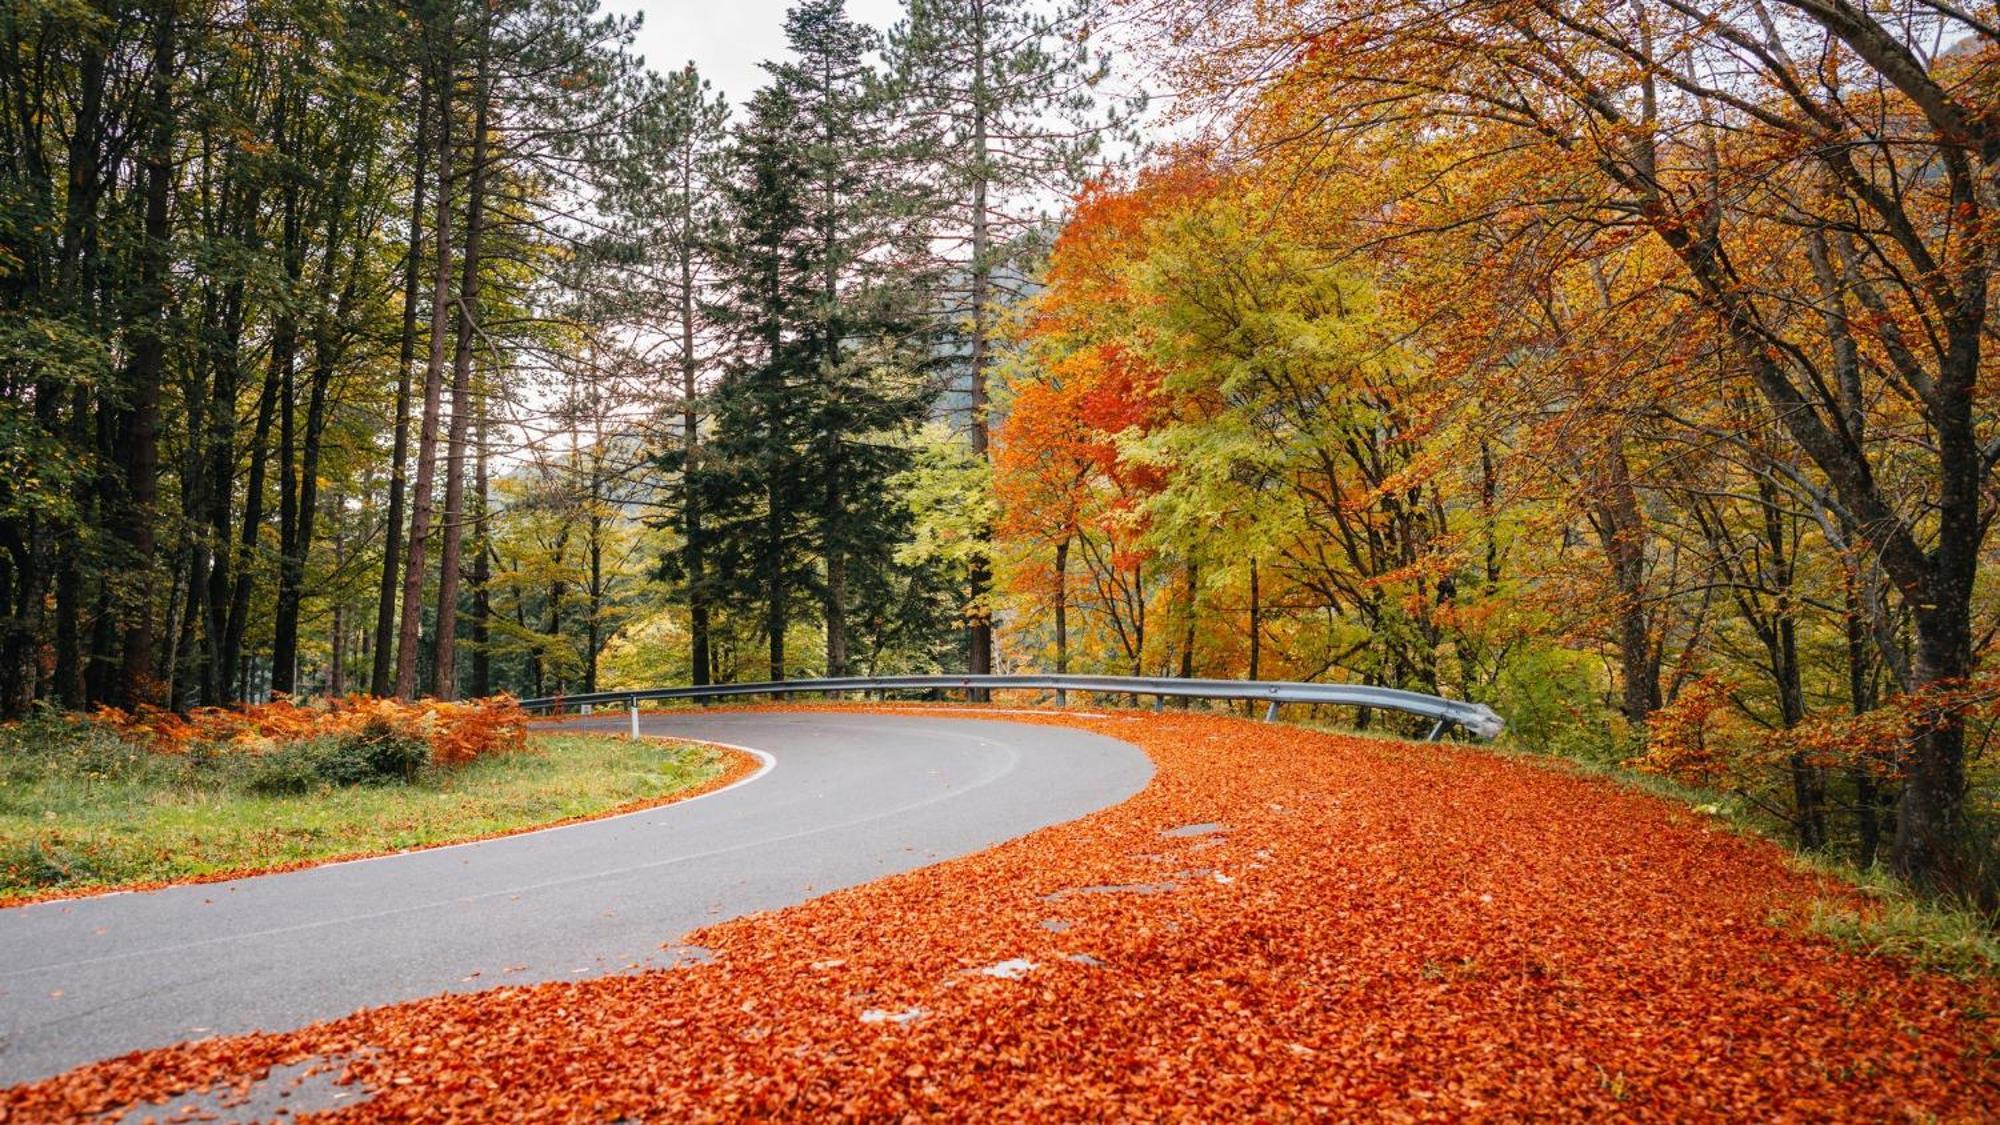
225	386
1782	649
1861	696
72	653
304	510
410	628
1256	625
980	572
774	583
336	669
593	624
1929	849
137	680
382	668
72	656
1191	594
77	274
284	628
444	669
234	669
556	590
482	569
1621	532
693	563
1062	616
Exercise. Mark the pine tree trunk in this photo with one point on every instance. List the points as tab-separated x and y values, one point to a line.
444	670
382	669
233	665
482	569
835	609
326	347
593	625
980	572
336	669
692	533
410	627
774	583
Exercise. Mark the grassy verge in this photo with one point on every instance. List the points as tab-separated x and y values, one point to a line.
81	809
1887	920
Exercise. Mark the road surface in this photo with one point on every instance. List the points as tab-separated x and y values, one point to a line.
843	799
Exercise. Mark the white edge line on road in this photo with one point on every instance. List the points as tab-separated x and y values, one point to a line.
769	763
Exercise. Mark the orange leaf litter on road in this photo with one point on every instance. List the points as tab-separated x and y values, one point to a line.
1374	929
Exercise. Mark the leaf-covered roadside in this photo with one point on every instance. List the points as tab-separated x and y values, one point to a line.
1341	925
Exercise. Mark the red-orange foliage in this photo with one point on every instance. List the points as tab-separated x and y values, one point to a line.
1688	739
457	732
1060	471
1702	738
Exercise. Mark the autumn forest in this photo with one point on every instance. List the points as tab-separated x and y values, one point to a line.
1620	364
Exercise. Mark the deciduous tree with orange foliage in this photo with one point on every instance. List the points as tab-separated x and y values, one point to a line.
1817	180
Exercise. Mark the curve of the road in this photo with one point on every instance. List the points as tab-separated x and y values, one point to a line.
843	799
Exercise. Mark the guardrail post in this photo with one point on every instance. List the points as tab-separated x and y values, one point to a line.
1271	712
632	704
1159	704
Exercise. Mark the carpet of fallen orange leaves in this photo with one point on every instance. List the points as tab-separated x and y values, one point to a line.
1374	929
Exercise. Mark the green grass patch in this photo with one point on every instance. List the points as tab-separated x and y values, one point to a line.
81	808
1886	919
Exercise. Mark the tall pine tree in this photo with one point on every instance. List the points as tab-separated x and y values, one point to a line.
1001	99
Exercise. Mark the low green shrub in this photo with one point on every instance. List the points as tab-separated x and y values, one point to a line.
288	771
375	755
1554	704
391	754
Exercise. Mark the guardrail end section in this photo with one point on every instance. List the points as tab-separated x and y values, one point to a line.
1485	722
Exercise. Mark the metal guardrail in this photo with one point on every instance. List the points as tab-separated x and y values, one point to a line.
1445	714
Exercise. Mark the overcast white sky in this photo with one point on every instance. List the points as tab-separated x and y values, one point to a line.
727	39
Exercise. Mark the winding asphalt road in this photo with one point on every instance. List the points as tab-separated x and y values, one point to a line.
842	799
